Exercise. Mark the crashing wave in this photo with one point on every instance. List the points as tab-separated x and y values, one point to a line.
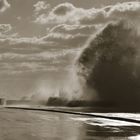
110	64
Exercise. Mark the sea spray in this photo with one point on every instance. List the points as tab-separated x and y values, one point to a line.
66	88
109	65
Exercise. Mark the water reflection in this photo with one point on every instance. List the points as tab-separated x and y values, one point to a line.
96	128
109	132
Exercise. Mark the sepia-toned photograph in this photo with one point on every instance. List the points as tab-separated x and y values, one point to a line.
69	69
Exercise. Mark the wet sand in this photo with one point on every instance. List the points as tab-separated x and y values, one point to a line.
36	125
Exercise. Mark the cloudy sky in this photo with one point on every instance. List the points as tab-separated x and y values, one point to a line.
40	39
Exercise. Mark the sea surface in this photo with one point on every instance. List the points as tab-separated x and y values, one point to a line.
17	124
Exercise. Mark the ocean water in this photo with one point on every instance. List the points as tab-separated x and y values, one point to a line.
16	124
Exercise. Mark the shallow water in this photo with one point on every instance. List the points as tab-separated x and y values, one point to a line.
37	125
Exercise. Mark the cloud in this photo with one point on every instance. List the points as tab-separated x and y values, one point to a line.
63	9
69	36
24	45
4	5
25	67
37	57
22	55
37	62
126	10
4	28
66	40
66	13
74	29
41	6
5	31
72	26
62	13
19	18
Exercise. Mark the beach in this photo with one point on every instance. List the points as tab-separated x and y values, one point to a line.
42	125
